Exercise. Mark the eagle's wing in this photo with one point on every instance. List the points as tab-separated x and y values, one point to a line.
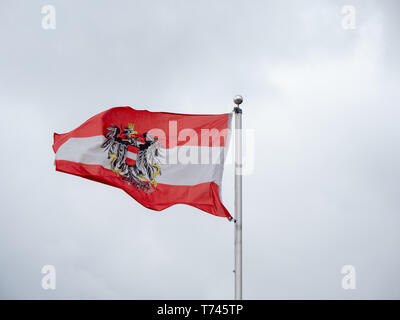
117	149
111	137
153	153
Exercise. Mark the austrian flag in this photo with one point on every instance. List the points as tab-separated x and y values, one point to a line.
158	158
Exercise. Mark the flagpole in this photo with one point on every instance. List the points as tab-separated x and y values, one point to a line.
238	197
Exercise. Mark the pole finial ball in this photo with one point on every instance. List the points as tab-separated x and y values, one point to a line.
238	99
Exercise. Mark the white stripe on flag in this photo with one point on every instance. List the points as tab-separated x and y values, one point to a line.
89	151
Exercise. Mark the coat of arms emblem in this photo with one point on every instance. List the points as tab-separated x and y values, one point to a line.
143	173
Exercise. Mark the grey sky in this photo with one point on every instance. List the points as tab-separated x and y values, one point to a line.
324	104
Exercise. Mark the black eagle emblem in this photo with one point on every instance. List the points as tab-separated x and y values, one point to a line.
142	174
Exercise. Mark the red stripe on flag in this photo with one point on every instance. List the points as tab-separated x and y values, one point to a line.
204	196
187	128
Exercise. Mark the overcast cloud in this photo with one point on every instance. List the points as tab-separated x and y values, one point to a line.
324	104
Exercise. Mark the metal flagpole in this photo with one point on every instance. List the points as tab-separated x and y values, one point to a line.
238	197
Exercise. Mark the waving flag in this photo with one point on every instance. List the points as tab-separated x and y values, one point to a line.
158	158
